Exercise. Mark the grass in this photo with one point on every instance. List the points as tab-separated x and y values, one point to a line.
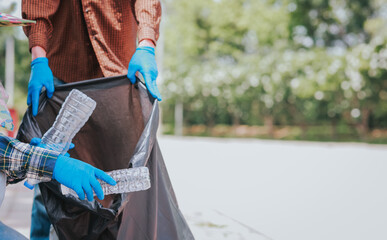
322	133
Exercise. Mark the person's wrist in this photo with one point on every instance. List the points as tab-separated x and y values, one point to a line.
57	166
146	43
38	52
39	60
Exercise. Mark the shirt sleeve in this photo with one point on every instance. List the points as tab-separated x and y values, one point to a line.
20	160
148	15
41	11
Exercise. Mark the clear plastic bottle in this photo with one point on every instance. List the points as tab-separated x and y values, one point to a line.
128	180
75	111
73	114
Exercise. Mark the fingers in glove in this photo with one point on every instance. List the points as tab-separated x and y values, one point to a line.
97	188
35	101
71	146
29	98
79	192
50	88
88	190
132	69
104	177
152	86
35	141
156	91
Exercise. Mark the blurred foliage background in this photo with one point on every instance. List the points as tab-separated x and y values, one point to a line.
284	69
22	61
289	69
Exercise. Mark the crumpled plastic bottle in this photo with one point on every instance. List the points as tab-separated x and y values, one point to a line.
73	114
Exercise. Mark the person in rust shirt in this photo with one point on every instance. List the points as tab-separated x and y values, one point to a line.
75	40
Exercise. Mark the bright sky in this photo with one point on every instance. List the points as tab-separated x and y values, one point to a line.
6	3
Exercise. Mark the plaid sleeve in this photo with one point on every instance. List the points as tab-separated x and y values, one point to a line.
20	160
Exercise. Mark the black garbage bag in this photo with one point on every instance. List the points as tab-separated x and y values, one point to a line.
120	133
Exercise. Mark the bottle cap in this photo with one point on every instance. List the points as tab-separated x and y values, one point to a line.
28	185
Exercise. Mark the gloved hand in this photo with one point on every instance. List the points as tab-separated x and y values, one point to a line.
144	61
37	142
81	177
78	175
41	76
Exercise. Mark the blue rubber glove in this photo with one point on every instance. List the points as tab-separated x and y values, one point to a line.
37	142
41	76
78	175
81	177
144	61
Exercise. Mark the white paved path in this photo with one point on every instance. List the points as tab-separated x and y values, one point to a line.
256	189
285	190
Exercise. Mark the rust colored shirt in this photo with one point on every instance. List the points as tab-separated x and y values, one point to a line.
87	39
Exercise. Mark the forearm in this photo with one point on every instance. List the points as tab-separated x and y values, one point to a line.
41	11
37	52
148	15
146	43
20	160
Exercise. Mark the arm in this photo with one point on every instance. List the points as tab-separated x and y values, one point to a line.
78	175
41	11
20	160
148	15
37	52
38	35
